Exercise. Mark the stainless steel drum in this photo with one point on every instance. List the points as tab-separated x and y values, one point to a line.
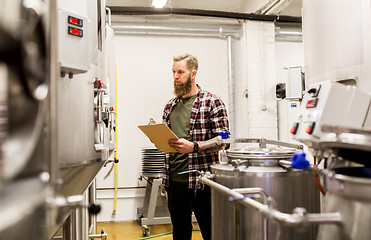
261	167
349	193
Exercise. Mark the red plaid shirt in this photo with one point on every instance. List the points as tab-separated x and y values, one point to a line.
208	118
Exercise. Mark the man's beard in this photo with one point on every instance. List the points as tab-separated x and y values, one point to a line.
182	89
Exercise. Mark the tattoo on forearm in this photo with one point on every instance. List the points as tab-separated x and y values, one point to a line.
209	146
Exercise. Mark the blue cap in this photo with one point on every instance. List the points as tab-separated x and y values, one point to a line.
298	160
224	134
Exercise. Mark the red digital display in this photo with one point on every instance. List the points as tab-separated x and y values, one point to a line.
75	32
75	21
312	103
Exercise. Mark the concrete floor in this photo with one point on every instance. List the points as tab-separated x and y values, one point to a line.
133	231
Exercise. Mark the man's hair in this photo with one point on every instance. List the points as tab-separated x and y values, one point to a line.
191	60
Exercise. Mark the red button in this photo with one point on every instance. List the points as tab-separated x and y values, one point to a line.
294	128
310	128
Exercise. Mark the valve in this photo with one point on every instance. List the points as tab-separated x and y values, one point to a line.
75	201
298	160
94	208
224	134
100	85
223	158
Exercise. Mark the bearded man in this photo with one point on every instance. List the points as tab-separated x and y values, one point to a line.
196	117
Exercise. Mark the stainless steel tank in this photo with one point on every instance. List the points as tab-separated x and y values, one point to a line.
337	48
55	128
262	167
23	94
349	193
84	111
23	120
348	183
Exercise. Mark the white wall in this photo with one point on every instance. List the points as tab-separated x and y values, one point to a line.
255	82
145	84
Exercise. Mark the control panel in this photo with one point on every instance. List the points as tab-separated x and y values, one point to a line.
73	43
329	103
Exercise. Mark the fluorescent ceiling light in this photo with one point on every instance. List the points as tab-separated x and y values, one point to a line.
159	3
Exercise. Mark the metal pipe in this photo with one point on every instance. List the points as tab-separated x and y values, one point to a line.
92	198
278	119
285	163
109	16
264	195
84	218
299	216
67	228
102	236
267	7
119	32
4	131
54	74
231	86
273	7
255	190
206	30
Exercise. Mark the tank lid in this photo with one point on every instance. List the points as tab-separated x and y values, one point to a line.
253	152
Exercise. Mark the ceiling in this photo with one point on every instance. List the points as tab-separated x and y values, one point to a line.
265	7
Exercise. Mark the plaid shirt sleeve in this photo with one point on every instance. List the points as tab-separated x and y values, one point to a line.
208	118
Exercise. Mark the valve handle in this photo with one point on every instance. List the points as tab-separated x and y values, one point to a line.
298	160
94	208
224	134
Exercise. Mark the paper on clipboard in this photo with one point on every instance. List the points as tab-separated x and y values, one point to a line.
159	134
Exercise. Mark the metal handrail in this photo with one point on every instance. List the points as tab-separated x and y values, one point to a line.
299	217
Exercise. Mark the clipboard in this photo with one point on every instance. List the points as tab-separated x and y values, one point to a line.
159	134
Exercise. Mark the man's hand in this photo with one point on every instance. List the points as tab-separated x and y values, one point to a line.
181	145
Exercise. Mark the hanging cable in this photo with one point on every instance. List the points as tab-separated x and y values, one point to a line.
115	154
316	178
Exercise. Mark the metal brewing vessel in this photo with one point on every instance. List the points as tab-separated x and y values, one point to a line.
348	183
288	188
349	193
